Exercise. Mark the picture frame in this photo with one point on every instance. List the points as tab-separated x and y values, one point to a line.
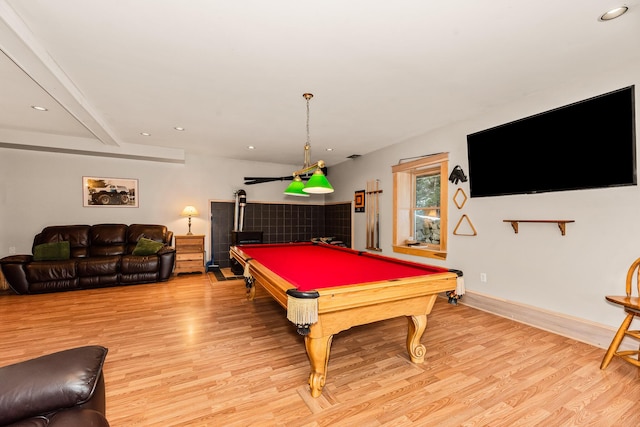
109	192
359	202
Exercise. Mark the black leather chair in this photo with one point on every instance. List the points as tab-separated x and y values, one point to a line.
63	389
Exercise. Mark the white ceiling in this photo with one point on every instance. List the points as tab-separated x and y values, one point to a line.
232	72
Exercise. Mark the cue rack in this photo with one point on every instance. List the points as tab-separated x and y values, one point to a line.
373	214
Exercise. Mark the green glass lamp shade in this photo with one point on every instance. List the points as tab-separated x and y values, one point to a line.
295	188
318	184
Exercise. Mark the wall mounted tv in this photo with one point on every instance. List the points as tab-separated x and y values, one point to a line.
588	144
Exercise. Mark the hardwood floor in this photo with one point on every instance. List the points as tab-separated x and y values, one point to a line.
194	352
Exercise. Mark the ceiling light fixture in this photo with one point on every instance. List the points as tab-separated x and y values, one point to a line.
36	107
318	182
614	13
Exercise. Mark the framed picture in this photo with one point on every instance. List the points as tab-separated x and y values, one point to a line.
113	192
359	201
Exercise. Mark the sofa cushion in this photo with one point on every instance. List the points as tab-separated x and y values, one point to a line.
98	266
45	271
150	231
54	251
133	264
97	272
108	239
76	235
60	380
147	247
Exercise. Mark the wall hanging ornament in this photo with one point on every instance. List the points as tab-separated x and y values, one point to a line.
358	201
465	222
460	198
457	175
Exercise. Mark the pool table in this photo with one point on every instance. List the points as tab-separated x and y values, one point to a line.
331	289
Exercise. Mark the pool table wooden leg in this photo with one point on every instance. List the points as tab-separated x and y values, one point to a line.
417	325
318	351
251	293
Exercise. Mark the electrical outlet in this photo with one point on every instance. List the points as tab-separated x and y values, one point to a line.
483	277
12	250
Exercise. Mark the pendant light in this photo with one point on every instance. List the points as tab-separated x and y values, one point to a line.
318	182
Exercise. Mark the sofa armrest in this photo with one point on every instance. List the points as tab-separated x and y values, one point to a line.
166	250
17	259
167	257
65	379
14	272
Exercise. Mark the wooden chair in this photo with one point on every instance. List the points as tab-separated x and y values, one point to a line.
631	305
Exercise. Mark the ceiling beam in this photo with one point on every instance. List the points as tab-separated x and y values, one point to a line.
21	46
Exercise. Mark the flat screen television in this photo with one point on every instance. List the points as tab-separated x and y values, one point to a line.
588	144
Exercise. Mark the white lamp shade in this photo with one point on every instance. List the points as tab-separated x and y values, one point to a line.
189	211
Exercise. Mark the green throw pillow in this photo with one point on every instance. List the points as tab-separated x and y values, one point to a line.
147	247
55	251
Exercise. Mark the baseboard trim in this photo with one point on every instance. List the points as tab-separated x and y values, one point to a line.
571	327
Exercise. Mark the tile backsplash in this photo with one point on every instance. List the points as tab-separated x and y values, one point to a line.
279	223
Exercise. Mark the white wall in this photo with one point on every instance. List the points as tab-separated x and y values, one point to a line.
538	266
39	189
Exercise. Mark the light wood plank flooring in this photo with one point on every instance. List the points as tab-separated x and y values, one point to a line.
194	352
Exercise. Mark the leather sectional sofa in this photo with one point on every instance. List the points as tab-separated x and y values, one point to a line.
70	257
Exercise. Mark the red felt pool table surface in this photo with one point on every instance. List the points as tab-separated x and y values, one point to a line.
310	266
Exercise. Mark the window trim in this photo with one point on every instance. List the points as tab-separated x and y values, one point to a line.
403	195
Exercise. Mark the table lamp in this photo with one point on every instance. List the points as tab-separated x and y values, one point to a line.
189	211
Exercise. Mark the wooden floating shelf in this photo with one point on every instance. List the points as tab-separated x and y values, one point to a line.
562	223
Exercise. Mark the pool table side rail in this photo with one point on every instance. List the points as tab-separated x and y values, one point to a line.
271	282
363	294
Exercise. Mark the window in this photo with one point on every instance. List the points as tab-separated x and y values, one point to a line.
420	206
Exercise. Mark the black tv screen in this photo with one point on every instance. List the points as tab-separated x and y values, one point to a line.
588	144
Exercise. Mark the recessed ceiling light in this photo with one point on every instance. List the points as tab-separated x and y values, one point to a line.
145	134
329	149
35	107
179	128
614	13
251	147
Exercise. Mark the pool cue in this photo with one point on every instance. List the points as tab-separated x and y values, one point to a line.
377	217
371	215
368	214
